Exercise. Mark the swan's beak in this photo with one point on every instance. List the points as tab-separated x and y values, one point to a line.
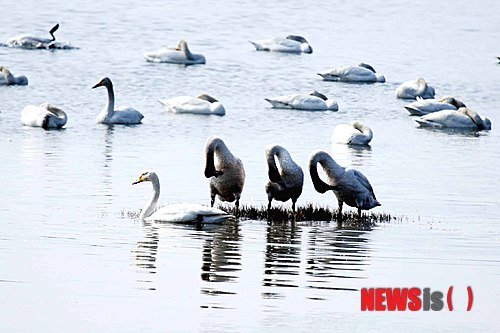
97	85
139	180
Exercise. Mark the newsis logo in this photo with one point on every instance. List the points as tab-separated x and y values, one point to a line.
409	299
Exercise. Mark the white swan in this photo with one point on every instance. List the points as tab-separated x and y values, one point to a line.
348	185
121	115
286	181
354	133
425	106
45	115
362	73
178	55
415	88
7	79
463	118
314	101
31	42
201	104
226	172
180	213
291	44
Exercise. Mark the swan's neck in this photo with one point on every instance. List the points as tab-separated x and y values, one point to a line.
363	129
331	168
9	78
185	50
153	200
110	105
224	156
273	171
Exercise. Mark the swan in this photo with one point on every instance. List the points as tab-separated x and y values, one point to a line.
7	79
362	73
121	115
201	104
291	44
313	101
286	181
354	133
178	55
424	106
463	118
348	185
45	115
179	213
415	88
227	175
31	42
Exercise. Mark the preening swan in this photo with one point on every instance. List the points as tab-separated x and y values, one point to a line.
286	181
31	42
425	106
7	79
180	213
178	55
314	101
354	133
362	73
415	88
201	104
291	44
121	115
463	118
45	115
348	185
226	172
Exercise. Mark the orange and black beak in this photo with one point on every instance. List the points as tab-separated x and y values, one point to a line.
139	180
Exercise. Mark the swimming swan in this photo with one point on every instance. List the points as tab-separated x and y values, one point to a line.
31	42
463	118
45	115
178	55
415	88
348	185
226	172
425	106
286	181
201	104
291	44
354	133
314	101
362	73
121	115
7	79
179	213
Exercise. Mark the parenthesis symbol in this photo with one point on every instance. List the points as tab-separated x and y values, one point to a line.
448	298
471	298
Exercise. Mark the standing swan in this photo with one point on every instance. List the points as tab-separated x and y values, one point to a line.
45	115
7	79
362	73
354	133
227	175
286	181
180	213
415	88
348	185
121	115
178	55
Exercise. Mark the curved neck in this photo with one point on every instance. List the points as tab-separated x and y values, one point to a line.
422	87
110	105
9	78
331	168
273	172
153	199
363	129
216	146
185	49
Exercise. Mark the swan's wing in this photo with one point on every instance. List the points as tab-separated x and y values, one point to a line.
189	213
126	115
360	182
446	118
166	55
33	115
425	106
194	105
344	133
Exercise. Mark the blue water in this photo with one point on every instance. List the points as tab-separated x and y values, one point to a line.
73	259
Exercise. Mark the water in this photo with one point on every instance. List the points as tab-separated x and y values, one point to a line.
73	260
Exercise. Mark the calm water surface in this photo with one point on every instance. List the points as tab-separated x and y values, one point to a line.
73	260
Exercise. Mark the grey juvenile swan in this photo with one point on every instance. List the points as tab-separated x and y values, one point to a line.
286	181
349	185
226	172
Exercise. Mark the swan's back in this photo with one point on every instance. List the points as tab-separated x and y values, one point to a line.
348	134
173	56
425	106
44	115
188	213
126	116
193	105
446	118
302	102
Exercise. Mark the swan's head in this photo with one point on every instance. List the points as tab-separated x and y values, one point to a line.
487	123
105	82
182	45
207	98
147	176
318	94
453	101
369	67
